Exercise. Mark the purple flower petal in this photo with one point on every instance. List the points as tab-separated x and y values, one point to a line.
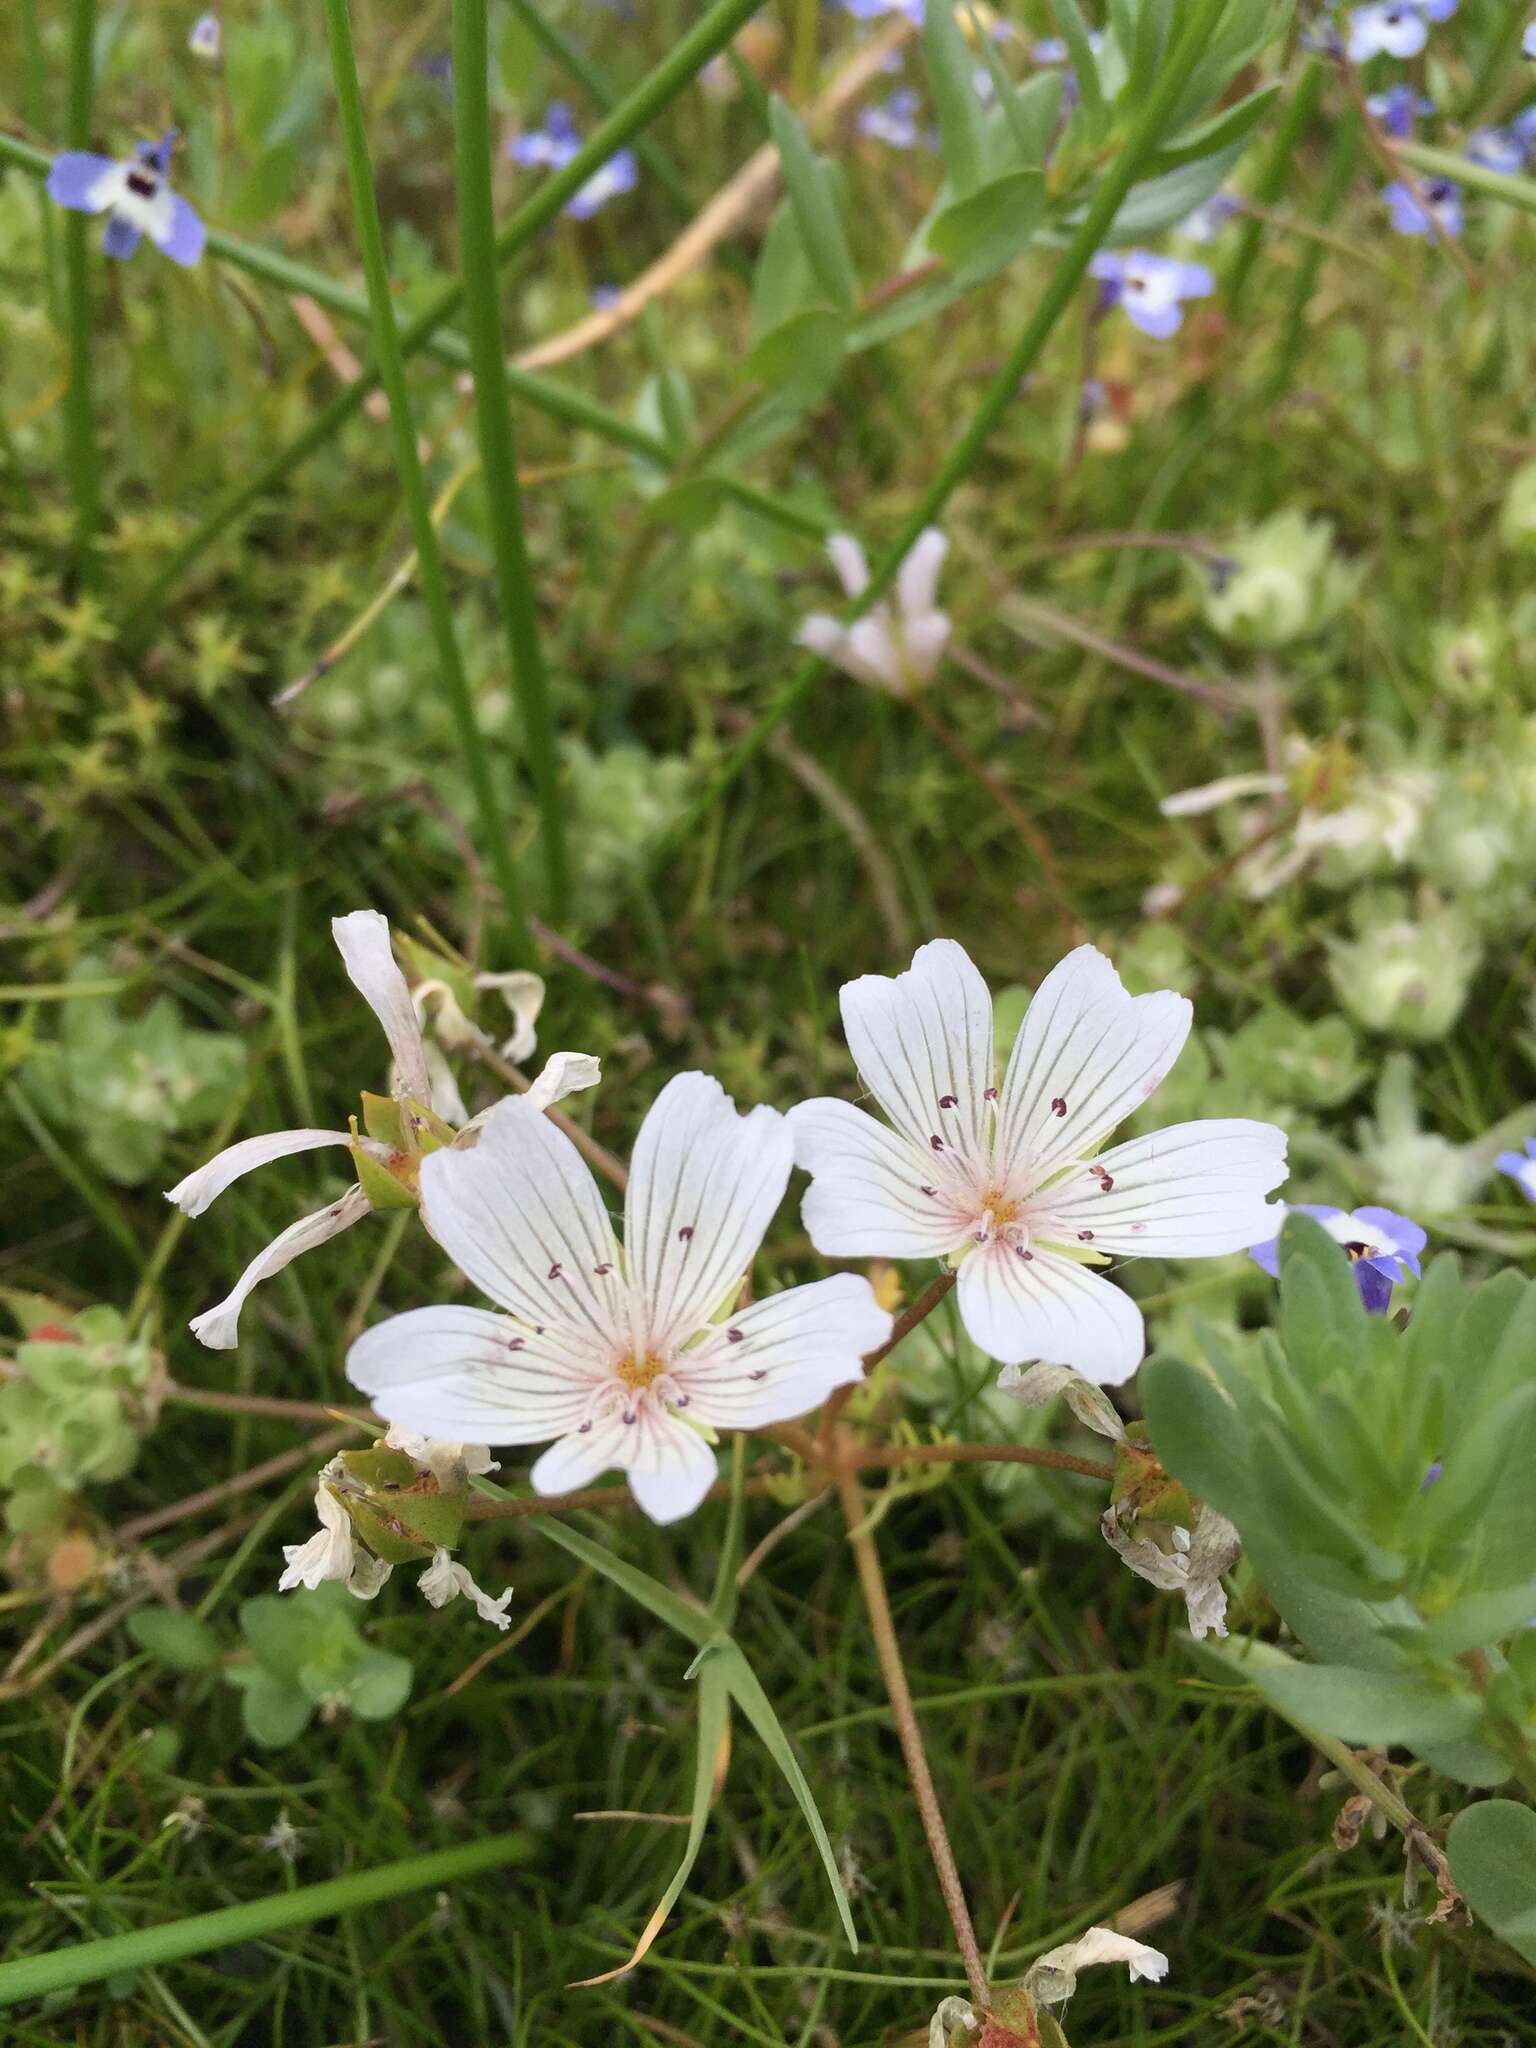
1158	321
1407	1238
121	237
1267	1256
75	176
184	235
1375	1288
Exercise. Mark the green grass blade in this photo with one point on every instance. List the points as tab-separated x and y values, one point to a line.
472	150
82	459
413	485
87	1962
647	1592
1140	146
1444	163
758	1708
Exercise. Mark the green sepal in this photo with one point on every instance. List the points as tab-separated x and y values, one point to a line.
380	1467
378	1183
399	1526
382	1120
1142	1483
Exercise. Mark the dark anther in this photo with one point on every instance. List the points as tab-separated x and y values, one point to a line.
948	1101
145	183
1058	1105
1085	1237
555	1270
733	1336
685	1233
937	1144
602	1269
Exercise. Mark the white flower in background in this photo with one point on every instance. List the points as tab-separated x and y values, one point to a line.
332	1553
1052	1978
1004	1182
283	1838
362	938
890	650
629	1358
443	1580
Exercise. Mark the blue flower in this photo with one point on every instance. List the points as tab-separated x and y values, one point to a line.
1523	127
1151	289
1496	149
1441	203
895	122
207	38
603	297
556	143
1521	1168
134	196
1207	221
1395	29
1398	108
1383	1248
876	10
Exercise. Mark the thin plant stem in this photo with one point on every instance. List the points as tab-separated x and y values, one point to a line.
1279	168
498	447
883	1630
636	111
413	485
82	459
1200	20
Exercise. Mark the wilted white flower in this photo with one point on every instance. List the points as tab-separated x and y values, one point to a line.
188	1817
443	1580
1052	1978
332	1553
1193	1567
1004	1182
362	938
449	1463
952	2014
1042	1383
283	1838
632	1358
890	650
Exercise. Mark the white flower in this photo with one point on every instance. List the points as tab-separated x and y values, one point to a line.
362	938
283	1838
443	1580
1394	29
1052	1978
1003	1181
332	1553
449	1463
891	651
951	2013
616	1354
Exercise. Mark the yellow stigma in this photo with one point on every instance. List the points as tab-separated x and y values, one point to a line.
1002	1209
640	1372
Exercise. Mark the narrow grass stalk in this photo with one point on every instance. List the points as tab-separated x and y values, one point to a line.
1273	179
493	418
635	112
82	459
413	484
882	1628
1444	163
1200	21
87	1962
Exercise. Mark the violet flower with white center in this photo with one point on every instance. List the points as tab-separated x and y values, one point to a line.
1207	221
207	38
1521	1168
1436	203
553	147
894	121
897	650
362	938
1496	149
1398	108
1383	1247
134	196
1006	1183
1150	289
624	1358
877	10
1395	29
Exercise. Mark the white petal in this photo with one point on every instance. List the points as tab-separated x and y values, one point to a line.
218	1327
1053	1977
369	1577
466	1376
670	1467
782	1356
520	1214
848	560
866	1198
870	652
362	938
917	580
1049	1308
925	1039
704	1183
578	1458
824	635
208	1182
926	639
1209	796
523	994
443	1580
444	1098
564	1073
1094	1052
448	1460
327	1554
1189	1192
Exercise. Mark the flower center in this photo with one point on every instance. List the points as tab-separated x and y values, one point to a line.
640	1373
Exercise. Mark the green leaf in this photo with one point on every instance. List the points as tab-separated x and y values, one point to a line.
1319	1301
807	181
690	505
754	1703
380	1686
1232	125
1492	1849
803	351
1199	1434
1372	1707
1480	1619
954	97
713	1721
1074	33
1477	1459
649	1593
1024	117
179	1641
1469	1763
276	1713
978	235
796	337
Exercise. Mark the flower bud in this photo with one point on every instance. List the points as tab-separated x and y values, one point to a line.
1278	582
1405	976
398	1509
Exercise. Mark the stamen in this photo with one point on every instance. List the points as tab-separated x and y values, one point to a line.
605	1268
554	1271
517	1343
1085	1237
948	1101
685	1233
937	1144
1058	1105
733	1337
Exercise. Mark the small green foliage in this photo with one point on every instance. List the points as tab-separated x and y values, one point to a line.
1284	583
305	1653
123	1083
175	1639
82	1396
